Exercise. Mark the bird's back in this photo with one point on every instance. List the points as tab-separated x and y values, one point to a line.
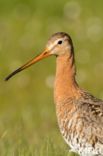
81	123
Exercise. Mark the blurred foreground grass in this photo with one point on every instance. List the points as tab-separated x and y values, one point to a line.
28	125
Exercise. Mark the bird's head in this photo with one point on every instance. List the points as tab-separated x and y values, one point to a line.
59	44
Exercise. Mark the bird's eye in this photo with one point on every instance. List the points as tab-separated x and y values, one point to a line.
60	42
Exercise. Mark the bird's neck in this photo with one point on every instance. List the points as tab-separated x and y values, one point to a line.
65	83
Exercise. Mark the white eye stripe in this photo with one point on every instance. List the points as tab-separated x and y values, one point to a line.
60	39
55	43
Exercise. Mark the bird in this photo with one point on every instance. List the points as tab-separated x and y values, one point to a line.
79	113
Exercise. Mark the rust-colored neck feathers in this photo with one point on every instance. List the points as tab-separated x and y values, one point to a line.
65	83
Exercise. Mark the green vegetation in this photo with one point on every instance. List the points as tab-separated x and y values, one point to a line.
28	125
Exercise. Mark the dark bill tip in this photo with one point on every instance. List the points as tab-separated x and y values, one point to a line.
12	74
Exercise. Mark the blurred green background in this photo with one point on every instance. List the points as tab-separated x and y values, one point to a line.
28	124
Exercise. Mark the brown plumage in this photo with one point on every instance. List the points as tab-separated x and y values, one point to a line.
79	114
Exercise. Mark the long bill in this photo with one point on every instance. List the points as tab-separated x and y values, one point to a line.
44	54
